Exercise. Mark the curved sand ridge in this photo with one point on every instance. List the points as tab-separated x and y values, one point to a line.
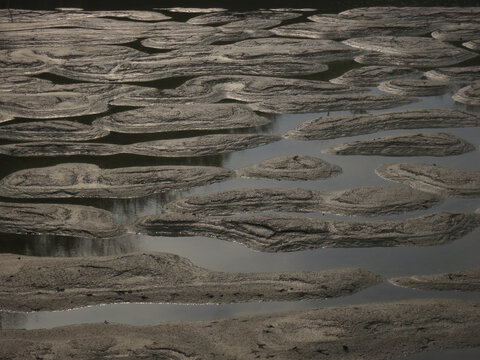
466	280
469	95
181	117
414	87
292	167
408	51
185	147
465	74
433	178
378	331
369	200
374	75
331	127
58	219
422	144
283	233
158	277
86	180
266	94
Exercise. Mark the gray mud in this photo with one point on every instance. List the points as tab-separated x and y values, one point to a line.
458	32
473	44
370	200
218	18
469	95
414	87
293	167
434	178
51	130
460	75
90	181
408	51
331	127
374	75
284	233
266	94
157	277
181	117
422	144
466	280
58	219
184	147
376	331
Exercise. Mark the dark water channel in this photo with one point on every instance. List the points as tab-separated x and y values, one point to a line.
220	255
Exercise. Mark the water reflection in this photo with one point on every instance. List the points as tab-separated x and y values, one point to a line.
148	314
446	354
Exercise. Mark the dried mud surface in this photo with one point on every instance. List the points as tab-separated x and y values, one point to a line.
331	127
374	331
181	117
466	280
370	200
293	167
183	147
283	233
58	219
87	180
433	178
157	277
422	144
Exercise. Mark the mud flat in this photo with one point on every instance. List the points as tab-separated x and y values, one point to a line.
374	331
185	147
469	95
157	277
458	32
51	130
408	51
293	167
465	74
181	117
473	44
219	18
87	180
467	280
331	127
266	94
191	10
58	219
414	87
284	233
433	178
371	200
337	27
41	99
422	144
374	75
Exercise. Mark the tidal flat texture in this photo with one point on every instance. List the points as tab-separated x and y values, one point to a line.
414	87
458	32
466	280
408	51
374	75
160	278
184	147
218	18
293	167
422	144
434	178
331	127
58	219
266	94
51	130
369	200
284	233
181	117
474	44
90	181
469	95
375	331
464	75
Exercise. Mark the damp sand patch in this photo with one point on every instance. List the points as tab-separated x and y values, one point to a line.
422	144
433	178
285	233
